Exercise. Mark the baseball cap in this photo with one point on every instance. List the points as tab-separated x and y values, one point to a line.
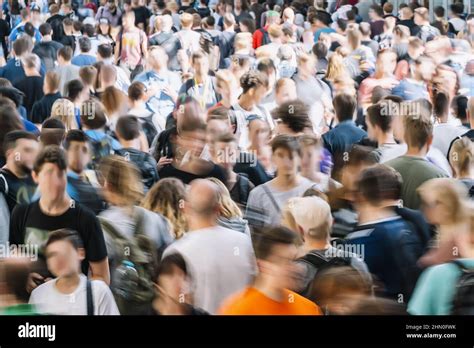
310	212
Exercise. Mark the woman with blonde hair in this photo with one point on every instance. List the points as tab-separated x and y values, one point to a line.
461	158
167	197
63	110
123	190
115	103
445	205
230	215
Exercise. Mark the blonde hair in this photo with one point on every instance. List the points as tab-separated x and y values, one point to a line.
461	156
186	20
354	37
274	30
122	179
242	41
336	67
227	207
166	198
451	194
63	110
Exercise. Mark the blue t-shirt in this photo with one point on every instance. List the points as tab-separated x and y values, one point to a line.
436	288
83	60
14	72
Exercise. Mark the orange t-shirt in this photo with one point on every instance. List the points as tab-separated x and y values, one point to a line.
253	302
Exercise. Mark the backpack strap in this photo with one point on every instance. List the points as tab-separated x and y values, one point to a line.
243	188
314	259
461	266
272	198
90	300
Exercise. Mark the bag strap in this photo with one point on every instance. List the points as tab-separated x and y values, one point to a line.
90	300
314	259
461	266
270	195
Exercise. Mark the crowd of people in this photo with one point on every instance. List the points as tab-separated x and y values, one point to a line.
198	157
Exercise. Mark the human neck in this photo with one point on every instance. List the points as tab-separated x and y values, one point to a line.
442	119
17	170
416	152
167	306
160	70
200	78
286	181
368	213
31	72
246	102
386	138
316	244
265	286
68	284
54	206
130	144
46	38
198	222
230	174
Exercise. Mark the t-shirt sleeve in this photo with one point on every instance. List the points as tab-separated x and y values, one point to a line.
92	235
105	302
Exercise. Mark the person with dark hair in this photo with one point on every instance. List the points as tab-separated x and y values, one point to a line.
47	49
82	184
16	183
33	223
172	279
85	57
202	86
320	21
275	250
459	106
340	139
292	118
14	273
254	88
128	130
394	264
14	71
211	282
320	50
444	131
376	20
65	69
67	37
266	201
379	120
64	252
53	132
456	15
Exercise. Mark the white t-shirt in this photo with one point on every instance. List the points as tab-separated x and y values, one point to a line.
49	300
221	262
443	135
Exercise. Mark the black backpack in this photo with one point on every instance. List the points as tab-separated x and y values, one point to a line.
148	128
322	264
100	149
266	36
463	303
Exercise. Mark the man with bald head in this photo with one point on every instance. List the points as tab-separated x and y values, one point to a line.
162	84
221	261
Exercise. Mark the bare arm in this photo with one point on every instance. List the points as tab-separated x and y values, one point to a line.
100	270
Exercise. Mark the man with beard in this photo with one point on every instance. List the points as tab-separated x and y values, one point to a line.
16	183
